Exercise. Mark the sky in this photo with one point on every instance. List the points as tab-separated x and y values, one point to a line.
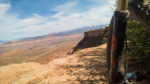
29	18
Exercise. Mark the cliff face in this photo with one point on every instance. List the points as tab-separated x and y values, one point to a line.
91	38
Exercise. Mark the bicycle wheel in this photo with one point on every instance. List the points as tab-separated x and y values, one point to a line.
139	11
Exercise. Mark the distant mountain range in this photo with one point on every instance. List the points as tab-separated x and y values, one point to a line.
73	31
82	29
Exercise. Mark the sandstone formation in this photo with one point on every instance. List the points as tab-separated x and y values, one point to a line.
91	38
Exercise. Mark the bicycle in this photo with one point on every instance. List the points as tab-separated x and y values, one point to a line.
127	9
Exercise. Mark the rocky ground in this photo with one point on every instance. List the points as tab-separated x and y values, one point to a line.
87	66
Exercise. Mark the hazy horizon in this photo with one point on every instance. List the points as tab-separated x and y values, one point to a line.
66	31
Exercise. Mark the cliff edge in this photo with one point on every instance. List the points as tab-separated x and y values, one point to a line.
92	38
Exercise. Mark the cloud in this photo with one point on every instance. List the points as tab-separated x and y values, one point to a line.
12	27
4	8
66	7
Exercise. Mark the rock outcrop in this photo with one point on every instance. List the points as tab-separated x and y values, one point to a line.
91	38
93	33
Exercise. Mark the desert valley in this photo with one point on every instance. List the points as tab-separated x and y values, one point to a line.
49	59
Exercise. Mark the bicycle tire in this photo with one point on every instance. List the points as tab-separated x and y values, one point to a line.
143	16
115	45
109	43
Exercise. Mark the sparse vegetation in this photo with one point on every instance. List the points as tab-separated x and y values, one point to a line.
139	45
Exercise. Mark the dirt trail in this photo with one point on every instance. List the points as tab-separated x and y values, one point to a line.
87	66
